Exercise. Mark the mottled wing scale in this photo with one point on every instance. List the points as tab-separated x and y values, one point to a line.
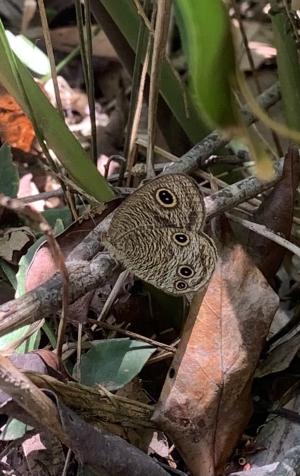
141	208
154	256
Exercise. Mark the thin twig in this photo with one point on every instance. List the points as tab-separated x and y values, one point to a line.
90	76
79	350
133	335
236	193
80	25
266	232
43	196
159	49
112	296
67	462
50	54
143	15
138	111
196	156
136	79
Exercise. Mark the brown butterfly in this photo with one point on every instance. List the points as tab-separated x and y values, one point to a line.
157	234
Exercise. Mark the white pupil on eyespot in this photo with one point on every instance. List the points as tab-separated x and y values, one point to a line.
166	198
180	285
186	271
181	238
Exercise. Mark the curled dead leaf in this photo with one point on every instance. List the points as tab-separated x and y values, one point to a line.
206	402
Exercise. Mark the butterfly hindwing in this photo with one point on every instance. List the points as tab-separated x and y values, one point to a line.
170	258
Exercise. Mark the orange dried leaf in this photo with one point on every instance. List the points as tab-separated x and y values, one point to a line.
206	403
16	129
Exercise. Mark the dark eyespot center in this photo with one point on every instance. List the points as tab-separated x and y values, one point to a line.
186	271
180	285
181	239
166	198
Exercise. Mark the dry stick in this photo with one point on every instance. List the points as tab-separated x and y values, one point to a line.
138	111
266	232
196	157
79	20
158	54
50	54
79	349
30	398
90	77
239	192
133	335
67	462
112	296
140	57
44	301
43	196
141	12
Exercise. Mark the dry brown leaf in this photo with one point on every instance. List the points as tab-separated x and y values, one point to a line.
276	213
16	129
67	38
42	451
13	240
206	403
260	43
27	187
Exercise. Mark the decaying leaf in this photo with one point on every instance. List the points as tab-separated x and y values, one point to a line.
16	129
276	212
13	239
206	403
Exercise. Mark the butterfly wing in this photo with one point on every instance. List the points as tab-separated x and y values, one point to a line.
161	257
169	200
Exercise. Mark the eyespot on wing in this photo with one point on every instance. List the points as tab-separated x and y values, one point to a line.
152	255
185	207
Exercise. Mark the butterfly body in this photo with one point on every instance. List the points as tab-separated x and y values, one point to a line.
157	234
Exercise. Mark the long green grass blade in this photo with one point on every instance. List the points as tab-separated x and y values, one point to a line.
206	35
54	130
177	97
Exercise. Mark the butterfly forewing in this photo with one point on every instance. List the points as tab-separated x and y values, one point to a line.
171	200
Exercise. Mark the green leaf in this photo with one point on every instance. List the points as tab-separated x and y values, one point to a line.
48	123
9	177
207	40
29	53
53	214
288	64
18	282
32	343
13	430
173	91
114	362
24	263
9	272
